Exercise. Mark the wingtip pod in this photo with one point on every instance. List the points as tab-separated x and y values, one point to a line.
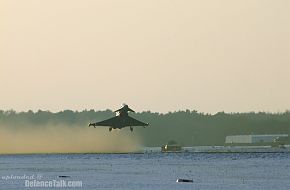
146	125
92	124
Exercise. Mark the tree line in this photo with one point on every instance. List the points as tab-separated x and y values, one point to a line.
187	127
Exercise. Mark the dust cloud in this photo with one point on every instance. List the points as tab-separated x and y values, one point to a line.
66	139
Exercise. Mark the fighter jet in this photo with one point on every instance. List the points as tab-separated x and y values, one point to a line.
121	120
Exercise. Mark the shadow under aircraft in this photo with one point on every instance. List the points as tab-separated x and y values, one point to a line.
121	120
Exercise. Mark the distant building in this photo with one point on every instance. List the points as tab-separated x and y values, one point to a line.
254	139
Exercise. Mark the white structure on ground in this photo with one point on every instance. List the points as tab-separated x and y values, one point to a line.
250	139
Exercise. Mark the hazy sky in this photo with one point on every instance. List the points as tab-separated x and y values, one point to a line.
159	55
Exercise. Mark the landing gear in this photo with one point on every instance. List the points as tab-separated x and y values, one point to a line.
131	129
91	124
110	129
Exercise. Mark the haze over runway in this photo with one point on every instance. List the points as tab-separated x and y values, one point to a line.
158	55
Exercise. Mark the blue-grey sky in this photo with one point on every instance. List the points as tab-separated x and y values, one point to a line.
158	55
